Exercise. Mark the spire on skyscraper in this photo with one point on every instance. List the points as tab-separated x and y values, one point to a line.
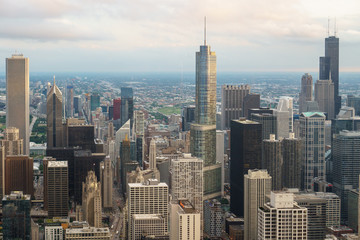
205	31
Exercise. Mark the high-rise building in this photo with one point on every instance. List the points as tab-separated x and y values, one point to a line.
324	96
306	93
16	220
353	206
213	218
203	131
57	189
91	200
291	153
251	100
139	123
2	171
185	221
187	180
272	160
116	108
284	114
77	105
106	179
245	154
89	233
346	166
354	101
120	136
127	106
144	225
232	97
220	155
54	118
268	122
312	133
17	97
257	184
125	160
12	143
152	154
329	67
19	174
94	101
69	101
54	232
188	117
150	197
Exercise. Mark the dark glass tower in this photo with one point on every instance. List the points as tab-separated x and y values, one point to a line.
245	154
127	106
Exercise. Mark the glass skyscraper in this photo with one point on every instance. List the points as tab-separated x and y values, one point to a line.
203	131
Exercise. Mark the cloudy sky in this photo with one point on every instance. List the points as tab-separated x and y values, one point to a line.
163	35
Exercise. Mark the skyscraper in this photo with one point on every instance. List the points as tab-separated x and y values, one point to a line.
245	154
94	101
57	188
69	101
291	152
257	186
152	154
306	91
268	122
54	118
17	97
284	114
12	143
251	100
106	178
127	106
91	200
324	96
312	133
117	108
232	97
329	67
273	161
203	131
19	174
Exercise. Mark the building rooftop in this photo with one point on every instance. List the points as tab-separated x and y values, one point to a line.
87	230
310	114
16	195
57	164
245	121
147	216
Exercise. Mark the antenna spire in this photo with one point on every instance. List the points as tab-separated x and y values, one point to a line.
335	28
328	32
205	30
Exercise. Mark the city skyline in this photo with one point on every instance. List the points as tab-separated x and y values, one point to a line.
162	36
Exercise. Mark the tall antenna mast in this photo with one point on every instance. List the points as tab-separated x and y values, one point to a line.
328	32
335	28
205	30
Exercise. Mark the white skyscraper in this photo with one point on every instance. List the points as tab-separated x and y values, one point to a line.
284	114
257	184
152	154
150	197
282	218
17	97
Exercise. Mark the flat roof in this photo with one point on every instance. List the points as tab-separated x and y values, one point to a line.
57	164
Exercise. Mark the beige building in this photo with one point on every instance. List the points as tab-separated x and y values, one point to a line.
148	225
54	118
91	200
12	142
57	189
87	233
324	96
257	185
306	91
17	97
106	179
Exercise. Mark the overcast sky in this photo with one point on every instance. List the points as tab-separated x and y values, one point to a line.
163	35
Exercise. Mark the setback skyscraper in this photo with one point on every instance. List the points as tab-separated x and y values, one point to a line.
203	131
306	91
17	97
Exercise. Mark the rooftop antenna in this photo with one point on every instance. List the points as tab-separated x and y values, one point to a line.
335	28
328	32
205	30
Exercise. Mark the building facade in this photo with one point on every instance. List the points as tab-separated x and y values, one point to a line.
272	160
54	118
306	94
292	155
91	200
19	174
324	96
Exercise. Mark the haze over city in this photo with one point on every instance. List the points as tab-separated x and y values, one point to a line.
132	36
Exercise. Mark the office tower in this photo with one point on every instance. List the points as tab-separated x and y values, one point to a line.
19	174
353	205
324	96
91	200
77	104
203	131
245	154
45	162
272	160
120	136
306	91
282	218
70	101
346	166
213	218
88	233
316	211
125	159
251	100
116	108
110	134
284	114
187	180
268	122
185	221
354	101
292	162
16	220
12	143
152	154
2	171
17	97
57	189
148	225
232	97
257	184
94	101
188	117
153	195
312	133
127	106
220	154
54	118
139	123
106	178
54	232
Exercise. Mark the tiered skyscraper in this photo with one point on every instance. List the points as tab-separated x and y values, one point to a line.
306	91
17	97
329	67
203	131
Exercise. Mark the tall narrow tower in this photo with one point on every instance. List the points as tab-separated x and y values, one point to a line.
54	117
203	131
17	97
152	154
